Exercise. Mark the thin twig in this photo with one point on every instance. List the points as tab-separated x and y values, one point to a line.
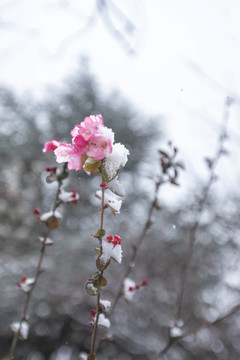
95	328
137	245
37	273
192	234
135	248
201	207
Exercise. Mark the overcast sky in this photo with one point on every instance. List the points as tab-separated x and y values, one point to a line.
185	62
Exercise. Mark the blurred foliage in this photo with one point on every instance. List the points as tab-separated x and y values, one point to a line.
59	314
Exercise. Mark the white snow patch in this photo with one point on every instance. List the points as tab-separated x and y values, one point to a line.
127	284
46	241
47	215
176	331
106	304
68	197
103	321
116	187
83	356
24	329
110	199
107	133
26	284
116	159
111	251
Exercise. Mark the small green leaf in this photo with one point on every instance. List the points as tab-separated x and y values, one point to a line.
97	250
91	288
105	175
101	232
96	275
101	264
164	154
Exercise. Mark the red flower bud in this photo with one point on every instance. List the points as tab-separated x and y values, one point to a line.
36	211
93	313
114	242
117	239
103	185
144	282
137	287
109	238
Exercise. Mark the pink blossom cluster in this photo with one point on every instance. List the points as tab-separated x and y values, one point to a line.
89	138
115	240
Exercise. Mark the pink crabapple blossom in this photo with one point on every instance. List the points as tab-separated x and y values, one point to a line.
51	145
89	138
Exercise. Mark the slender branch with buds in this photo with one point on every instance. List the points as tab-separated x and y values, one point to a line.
28	285
212	164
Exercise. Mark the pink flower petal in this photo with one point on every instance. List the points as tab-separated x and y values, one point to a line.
51	145
67	153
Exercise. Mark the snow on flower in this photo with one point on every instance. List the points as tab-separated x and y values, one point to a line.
176	331
25	284
51	145
83	356
47	215
89	138
103	321
22	328
94	140
106	304
111	251
129	289
46	241
69	197
116	159
116	187
111	200
52	174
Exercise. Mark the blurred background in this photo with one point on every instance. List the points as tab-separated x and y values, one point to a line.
156	71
